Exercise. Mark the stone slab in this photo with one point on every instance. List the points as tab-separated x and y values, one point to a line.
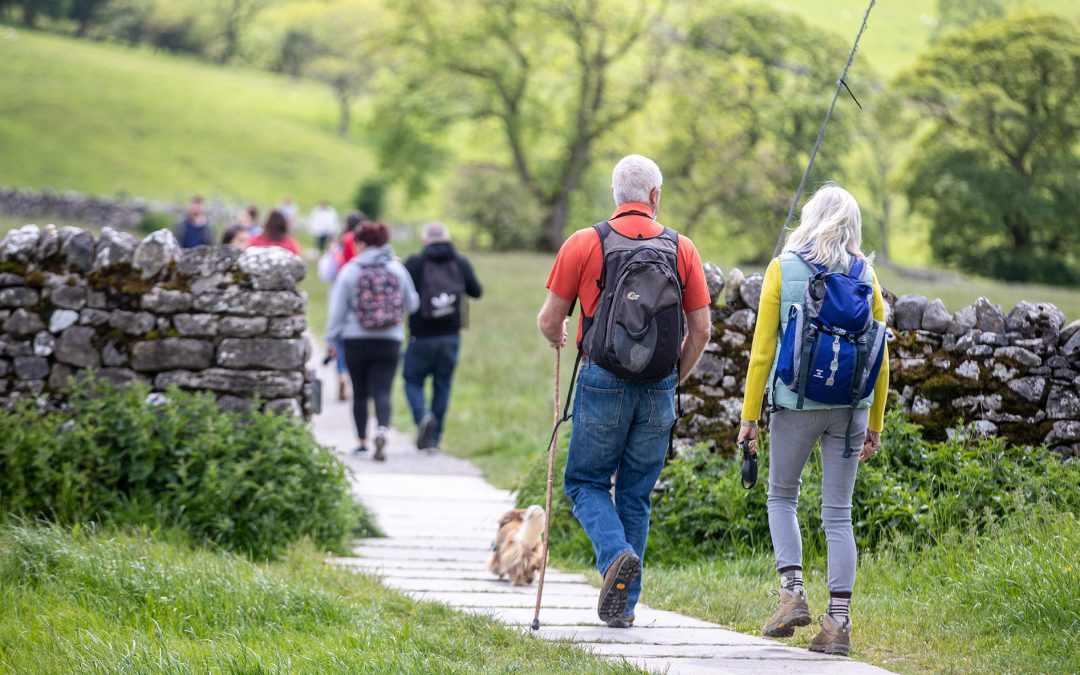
488	586
654	635
582	617
508	600
757	666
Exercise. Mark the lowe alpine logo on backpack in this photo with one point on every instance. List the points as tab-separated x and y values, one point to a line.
379	300
638	327
832	349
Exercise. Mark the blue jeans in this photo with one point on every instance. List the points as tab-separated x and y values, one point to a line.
620	428
434	357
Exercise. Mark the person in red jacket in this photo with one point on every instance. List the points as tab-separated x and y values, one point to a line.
276	233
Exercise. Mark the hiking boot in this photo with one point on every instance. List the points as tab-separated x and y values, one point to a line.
342	391
613	593
792	611
359	449
380	444
833	638
425	431
622	622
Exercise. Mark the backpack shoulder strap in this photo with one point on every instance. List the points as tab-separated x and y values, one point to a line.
858	268
603	230
674	236
814	267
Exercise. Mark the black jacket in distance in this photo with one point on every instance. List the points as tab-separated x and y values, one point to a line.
419	327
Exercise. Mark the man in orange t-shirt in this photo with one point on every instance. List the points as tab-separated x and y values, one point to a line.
621	427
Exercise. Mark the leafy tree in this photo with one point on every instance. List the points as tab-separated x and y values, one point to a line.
32	10
997	174
879	131
493	201
954	14
553	77
745	106
84	12
234	17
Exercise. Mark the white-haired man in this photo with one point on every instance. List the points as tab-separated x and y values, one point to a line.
645	322
443	277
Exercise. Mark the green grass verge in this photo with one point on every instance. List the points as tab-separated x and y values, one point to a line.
115	602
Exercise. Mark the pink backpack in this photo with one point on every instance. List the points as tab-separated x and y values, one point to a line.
380	302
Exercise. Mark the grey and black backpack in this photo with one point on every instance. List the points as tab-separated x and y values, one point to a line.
637	330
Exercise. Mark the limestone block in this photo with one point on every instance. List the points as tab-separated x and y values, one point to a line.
68	296
87	317
251	303
132	323
23	324
31	367
75	348
714	280
733	287
77	248
272	268
742	320
750	290
114	353
20	244
909	310
268	384
288	326
1018	355
1062	403
1064	431
238	326
113	248
962	321
204	261
44	344
264	353
285	406
196	325
163	301
1030	388
171	354
9	279
155	253
19	296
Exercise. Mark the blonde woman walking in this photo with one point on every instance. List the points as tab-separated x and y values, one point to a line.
819	345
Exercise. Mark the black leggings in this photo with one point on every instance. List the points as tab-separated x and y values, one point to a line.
371	364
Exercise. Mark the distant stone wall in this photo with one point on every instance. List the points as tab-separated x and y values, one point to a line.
124	214
1016	375
209	318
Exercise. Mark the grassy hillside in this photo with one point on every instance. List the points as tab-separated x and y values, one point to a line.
898	31
105	119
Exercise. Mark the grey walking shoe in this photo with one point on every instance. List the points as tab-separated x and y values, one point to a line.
833	638
614	593
380	444
622	622
791	612
425	431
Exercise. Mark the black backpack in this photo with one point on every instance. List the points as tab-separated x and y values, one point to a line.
442	287
637	330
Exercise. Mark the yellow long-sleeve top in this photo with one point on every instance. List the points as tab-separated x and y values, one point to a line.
763	350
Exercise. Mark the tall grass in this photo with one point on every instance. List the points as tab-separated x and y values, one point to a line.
101	601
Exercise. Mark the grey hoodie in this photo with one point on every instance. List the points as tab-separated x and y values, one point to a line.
342	322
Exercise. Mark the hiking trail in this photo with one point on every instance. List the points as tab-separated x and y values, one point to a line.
439	516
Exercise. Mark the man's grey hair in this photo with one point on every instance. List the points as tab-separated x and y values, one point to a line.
435	232
634	178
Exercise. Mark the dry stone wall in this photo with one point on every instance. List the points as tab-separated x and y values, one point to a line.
1014	374
211	318
88	210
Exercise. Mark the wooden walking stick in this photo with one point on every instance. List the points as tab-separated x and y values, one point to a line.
547	507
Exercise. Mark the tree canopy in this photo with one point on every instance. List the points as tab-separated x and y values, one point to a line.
997	173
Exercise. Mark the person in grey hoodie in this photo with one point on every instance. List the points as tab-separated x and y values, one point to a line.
371	354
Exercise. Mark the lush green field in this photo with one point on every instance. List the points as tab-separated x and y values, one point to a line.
105	119
111	602
897	31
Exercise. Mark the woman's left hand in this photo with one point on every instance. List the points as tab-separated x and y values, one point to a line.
870	445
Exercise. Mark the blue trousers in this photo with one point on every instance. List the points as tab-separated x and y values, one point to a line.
620	429
434	357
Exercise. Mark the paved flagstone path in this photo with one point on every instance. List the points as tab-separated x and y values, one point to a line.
439	516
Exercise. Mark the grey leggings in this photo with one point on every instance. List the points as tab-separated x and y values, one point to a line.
792	435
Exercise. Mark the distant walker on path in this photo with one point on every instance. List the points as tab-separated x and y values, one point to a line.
651	279
443	277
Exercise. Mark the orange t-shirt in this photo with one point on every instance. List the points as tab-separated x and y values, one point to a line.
288	243
580	261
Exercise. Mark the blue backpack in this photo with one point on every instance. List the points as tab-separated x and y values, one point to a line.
832	348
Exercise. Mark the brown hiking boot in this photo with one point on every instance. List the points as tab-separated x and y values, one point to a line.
616	587
833	638
792	611
622	622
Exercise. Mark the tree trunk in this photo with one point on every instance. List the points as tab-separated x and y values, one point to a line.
232	37
345	118
29	16
558	212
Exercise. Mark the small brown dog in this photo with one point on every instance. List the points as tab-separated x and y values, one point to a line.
518	549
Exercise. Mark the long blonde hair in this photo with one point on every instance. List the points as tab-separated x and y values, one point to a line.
830	229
